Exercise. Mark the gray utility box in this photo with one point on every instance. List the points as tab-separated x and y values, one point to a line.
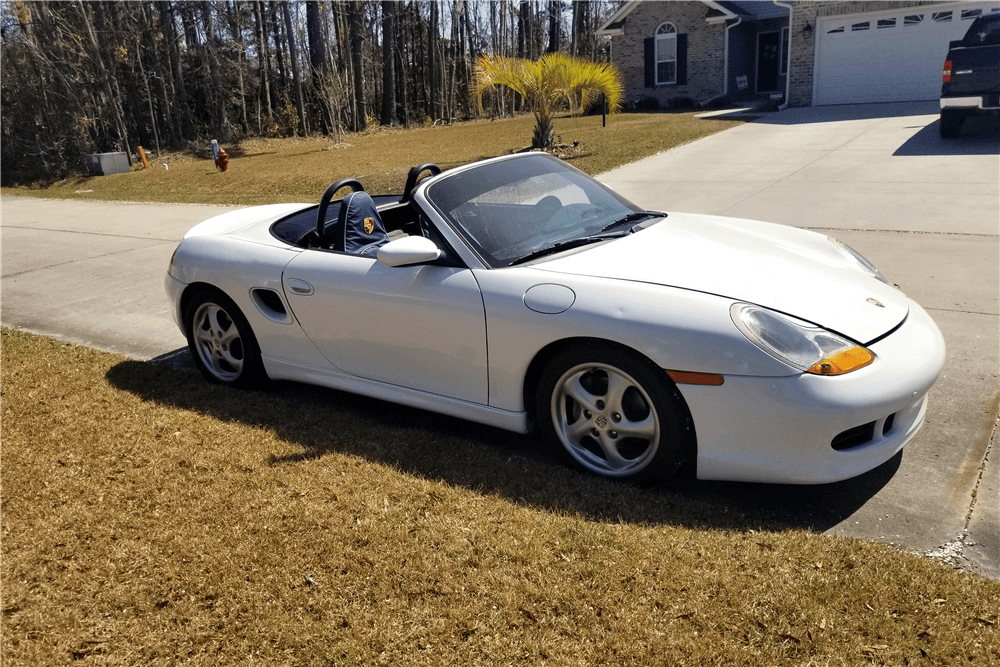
105	164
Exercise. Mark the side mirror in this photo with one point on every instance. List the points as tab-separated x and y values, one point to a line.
407	251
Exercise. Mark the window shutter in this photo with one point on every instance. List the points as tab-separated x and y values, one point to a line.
682	59
650	46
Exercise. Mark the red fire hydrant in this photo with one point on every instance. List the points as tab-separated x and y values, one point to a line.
222	162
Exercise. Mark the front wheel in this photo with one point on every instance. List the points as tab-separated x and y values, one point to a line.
221	341
614	414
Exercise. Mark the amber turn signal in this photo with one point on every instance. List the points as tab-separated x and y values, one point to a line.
843	362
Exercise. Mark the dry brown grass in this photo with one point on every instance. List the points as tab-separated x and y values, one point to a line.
150	519
298	170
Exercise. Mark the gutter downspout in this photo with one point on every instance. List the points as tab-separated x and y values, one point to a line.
725	65
725	56
788	56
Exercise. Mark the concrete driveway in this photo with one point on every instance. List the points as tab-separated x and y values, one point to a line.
92	272
926	212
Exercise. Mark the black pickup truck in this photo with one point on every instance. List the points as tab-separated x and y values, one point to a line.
970	84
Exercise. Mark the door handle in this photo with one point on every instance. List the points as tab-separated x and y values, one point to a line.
300	287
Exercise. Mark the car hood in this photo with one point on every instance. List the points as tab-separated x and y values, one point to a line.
791	270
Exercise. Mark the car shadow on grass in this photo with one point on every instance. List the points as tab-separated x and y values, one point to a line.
520	468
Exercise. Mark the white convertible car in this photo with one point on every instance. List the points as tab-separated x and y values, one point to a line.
520	292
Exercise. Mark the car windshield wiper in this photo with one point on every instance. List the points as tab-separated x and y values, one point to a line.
633	217
567	245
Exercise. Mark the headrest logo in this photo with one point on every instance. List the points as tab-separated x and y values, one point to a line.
369	225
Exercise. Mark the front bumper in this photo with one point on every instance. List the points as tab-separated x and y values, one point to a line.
783	429
175	289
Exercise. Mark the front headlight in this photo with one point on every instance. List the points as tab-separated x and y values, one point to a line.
801	345
865	265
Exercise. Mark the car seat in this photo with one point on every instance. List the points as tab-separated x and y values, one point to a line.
363	231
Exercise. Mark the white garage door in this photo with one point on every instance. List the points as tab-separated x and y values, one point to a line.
893	56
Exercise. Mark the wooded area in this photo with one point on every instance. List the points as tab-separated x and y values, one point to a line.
86	76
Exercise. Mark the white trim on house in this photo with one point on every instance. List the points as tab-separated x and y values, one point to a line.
784	47
664	32
726	14
787	56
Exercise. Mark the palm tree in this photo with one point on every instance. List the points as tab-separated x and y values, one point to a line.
553	82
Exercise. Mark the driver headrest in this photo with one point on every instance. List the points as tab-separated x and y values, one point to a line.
362	225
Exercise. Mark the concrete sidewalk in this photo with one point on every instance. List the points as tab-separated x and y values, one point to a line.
927	213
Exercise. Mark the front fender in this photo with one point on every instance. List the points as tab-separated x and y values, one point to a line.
237	267
675	328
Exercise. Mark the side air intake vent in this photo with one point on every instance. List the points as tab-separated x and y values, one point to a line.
270	305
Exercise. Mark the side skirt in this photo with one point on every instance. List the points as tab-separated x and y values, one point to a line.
482	414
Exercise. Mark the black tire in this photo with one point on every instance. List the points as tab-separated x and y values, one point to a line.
221	341
611	412
950	125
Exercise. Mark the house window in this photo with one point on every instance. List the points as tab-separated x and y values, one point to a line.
783	66
666	54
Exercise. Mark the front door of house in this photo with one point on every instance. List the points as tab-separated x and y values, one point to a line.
768	46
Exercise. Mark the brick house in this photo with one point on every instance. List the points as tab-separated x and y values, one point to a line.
804	52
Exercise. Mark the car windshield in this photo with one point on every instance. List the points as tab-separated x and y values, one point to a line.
511	209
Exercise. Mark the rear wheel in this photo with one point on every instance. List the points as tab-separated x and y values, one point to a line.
221	341
951	123
612	413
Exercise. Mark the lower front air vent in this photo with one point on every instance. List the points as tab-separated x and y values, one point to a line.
854	437
888	424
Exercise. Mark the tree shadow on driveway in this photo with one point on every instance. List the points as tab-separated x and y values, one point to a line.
520	468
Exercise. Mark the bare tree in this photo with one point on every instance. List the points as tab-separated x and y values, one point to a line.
388	62
355	29
105	78
215	91
296	79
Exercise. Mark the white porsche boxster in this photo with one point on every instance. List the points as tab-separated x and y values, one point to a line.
520	292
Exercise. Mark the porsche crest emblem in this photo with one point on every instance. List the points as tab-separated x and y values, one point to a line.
875	302
369	225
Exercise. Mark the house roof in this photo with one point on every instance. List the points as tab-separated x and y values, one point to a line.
616	24
718	10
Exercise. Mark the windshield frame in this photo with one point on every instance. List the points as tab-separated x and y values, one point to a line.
462	196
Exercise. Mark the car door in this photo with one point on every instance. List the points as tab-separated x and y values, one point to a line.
422	327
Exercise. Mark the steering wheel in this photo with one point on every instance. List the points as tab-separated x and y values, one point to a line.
324	202
411	178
